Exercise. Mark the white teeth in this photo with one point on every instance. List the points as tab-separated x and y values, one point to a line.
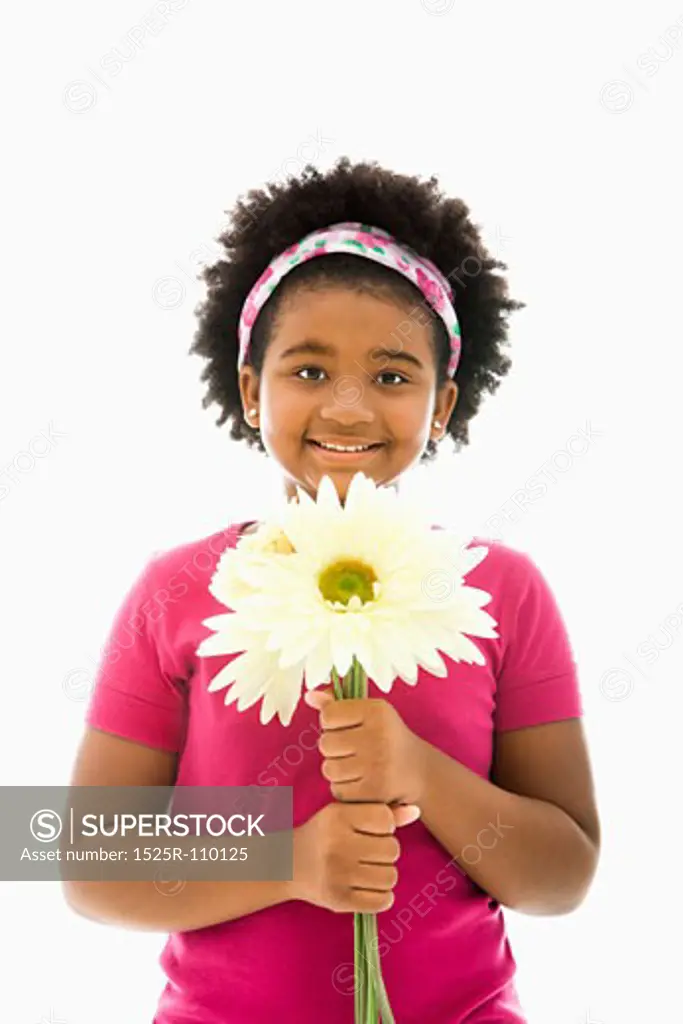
339	448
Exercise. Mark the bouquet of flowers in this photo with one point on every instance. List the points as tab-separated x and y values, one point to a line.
330	592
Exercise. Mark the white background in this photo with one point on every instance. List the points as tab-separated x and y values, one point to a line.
561	130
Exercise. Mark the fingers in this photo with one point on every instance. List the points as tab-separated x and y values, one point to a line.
406	814
365	901
339	742
355	791
343	714
370	819
377	877
379	850
318	698
342	769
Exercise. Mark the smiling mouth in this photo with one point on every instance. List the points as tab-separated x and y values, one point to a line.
345	452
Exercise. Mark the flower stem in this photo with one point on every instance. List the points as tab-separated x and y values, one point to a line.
371	999
375	971
338	686
371	989
359	969
360	679
346	689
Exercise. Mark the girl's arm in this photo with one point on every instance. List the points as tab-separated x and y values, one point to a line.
531	837
141	906
107	760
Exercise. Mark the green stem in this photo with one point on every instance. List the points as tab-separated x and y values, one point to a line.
346	689
360	679
371	999
359	969
375	969
370	1002
338	687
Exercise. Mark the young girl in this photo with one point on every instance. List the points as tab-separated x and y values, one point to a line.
354	322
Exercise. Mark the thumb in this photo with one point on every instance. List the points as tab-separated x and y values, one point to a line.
406	814
319	697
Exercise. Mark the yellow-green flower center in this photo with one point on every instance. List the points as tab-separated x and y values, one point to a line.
343	580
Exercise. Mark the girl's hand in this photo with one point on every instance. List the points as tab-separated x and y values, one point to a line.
369	752
344	857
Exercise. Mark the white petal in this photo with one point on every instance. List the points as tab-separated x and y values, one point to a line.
476	622
359	487
398	642
327	495
342	651
318	666
304	500
410	676
461	648
225	677
246	673
235	636
471	557
433	663
289	635
246	691
216	622
366	653
254	675
384	675
283	693
215	644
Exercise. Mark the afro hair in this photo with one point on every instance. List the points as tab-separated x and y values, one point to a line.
267	221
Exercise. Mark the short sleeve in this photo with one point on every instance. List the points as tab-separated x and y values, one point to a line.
538	679
136	693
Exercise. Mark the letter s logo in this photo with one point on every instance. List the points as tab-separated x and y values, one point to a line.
46	826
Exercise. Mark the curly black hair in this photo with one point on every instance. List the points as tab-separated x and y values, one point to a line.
265	222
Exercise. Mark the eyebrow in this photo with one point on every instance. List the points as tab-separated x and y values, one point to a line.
311	346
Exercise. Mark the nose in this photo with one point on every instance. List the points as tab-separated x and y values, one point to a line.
347	403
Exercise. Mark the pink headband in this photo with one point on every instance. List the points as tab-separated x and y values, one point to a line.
361	240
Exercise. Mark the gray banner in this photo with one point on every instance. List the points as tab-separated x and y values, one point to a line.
166	834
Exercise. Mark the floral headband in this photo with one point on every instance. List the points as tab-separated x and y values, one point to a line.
362	240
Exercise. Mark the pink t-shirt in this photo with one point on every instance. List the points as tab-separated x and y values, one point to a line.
444	948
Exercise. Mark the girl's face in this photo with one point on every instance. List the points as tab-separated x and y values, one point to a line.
329	376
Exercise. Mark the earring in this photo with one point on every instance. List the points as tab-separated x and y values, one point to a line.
437	424
252	413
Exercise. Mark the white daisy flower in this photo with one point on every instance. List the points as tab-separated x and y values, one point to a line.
323	584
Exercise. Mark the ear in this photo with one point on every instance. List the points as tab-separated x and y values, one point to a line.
444	406
249	387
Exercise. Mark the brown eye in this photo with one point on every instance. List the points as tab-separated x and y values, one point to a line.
316	369
393	373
